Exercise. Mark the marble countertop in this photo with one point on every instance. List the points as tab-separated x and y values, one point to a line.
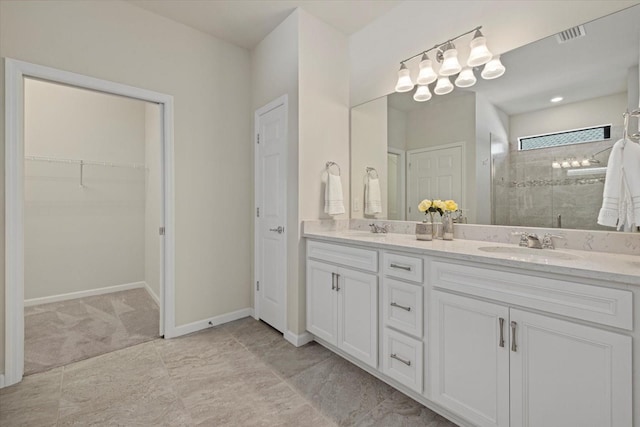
619	268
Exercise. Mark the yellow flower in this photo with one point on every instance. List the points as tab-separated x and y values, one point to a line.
438	204
450	205
424	205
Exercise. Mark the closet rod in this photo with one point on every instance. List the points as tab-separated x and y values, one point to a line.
85	162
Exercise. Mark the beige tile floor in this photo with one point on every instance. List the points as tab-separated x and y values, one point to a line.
239	374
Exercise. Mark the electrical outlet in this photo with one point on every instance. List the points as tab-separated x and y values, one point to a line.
356	204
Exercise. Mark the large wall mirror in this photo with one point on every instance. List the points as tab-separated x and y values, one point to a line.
502	149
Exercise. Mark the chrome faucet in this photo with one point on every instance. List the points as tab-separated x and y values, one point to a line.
533	241
375	228
547	240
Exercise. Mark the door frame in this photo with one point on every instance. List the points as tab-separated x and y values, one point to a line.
402	164
15	72
281	101
463	146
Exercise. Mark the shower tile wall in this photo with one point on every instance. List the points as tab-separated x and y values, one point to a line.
529	192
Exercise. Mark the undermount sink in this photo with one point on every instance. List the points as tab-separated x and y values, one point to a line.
361	234
528	254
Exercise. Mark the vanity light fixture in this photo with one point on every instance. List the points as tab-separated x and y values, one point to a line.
556	99
422	94
565	164
447	55
404	79
450	64
493	69
443	86
427	74
556	164
466	78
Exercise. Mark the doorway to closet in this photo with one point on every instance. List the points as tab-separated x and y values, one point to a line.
89	217
92	214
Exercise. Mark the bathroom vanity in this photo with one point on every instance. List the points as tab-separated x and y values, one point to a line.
486	334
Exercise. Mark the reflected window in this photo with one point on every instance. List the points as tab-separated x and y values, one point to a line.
576	136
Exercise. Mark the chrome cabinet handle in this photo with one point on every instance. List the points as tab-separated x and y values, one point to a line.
333	281
337	282
501	344
514	347
393	304
402	267
399	359
278	230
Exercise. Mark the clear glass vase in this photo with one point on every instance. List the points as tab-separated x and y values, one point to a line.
424	230
447	225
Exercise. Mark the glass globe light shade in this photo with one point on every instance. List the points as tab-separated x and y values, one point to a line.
493	69
466	78
422	94
575	163
556	164
585	162
450	64
427	75
566	164
480	54
404	83
443	86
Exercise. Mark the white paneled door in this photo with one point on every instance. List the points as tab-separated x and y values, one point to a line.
434	173
271	192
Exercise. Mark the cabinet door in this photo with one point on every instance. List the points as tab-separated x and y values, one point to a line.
565	374
322	297
358	315
469	358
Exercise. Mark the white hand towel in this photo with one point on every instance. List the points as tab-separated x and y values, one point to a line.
333	199
373	198
621	197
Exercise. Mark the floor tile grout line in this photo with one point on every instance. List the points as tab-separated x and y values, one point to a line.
286	381
60	395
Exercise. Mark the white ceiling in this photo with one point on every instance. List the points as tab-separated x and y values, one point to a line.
246	22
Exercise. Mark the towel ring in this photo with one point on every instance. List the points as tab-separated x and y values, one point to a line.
370	169
329	164
634	136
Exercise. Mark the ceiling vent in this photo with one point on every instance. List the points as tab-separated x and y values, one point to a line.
571	34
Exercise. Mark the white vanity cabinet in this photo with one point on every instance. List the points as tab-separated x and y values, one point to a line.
342	302
497	365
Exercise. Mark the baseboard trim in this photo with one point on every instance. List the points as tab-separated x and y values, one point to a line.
1	380
152	294
199	325
83	294
298	340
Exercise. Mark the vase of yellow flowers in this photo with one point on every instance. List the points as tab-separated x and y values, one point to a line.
430	208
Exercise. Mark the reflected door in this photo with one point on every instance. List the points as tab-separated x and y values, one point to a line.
434	173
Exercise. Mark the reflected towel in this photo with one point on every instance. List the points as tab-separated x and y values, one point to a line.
372	197
333	199
621	196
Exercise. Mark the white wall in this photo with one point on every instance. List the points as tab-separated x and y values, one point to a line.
82	238
208	79
153	196
492	136
596	111
397	128
412	26
368	148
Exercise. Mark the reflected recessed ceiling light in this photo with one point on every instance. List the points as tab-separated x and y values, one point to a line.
557	99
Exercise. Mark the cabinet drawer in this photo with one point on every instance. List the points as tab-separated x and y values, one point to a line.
402	359
596	304
402	306
402	267
349	256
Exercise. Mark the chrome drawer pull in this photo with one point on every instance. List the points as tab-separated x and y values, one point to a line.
402	267
406	362
501	344
514	347
393	304
333	281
